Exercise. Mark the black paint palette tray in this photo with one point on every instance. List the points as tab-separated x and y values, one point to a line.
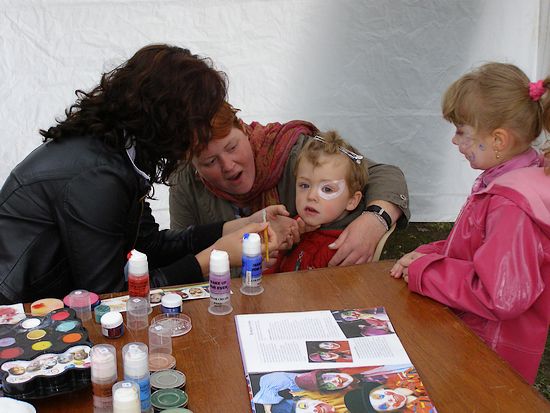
44	356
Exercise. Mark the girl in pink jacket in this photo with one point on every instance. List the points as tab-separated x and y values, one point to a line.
494	266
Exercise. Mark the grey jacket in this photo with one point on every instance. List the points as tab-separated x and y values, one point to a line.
191	203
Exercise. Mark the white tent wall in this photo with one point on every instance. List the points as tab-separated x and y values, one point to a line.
373	70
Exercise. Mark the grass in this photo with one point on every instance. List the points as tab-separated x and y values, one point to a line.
418	233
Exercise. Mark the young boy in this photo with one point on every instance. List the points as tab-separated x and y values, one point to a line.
329	178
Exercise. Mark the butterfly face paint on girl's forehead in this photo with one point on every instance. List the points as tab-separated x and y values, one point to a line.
331	189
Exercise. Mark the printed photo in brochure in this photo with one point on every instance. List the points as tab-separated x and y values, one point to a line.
353	390
363	322
328	361
329	351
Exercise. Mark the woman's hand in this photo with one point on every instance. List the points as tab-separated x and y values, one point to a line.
285	227
401	267
272	212
356	244
232	244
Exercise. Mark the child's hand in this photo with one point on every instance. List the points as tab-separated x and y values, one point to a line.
272	259
401	267
287	231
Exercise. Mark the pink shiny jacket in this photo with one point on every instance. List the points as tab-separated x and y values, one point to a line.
494	266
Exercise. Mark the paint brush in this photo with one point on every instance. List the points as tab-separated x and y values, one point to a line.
264	216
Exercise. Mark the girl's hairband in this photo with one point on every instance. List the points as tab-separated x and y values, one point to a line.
536	90
352	155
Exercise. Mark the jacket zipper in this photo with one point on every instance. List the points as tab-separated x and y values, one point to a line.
299	261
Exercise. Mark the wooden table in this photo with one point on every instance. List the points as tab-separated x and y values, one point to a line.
460	373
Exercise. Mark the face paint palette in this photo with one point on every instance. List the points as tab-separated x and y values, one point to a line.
44	356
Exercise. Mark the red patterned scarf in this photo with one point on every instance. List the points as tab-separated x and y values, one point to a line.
271	145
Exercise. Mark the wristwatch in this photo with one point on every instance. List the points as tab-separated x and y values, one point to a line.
381	212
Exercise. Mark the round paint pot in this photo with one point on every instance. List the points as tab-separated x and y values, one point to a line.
168	379
30	323
94	300
45	305
171	303
61	314
111	324
177	410
168	398
99	311
161	361
178	323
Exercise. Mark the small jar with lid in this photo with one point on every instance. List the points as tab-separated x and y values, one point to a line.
171	303
111	324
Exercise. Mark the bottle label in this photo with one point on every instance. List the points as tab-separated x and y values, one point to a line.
138	285
252	271
103	392
144	391
170	310
220	289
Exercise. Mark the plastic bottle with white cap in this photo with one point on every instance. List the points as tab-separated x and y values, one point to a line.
135	361
252	265
138	276
126	397
104	374
171	303
220	283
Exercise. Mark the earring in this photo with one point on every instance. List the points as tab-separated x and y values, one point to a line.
497	154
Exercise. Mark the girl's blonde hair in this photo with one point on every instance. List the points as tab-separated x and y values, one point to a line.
356	175
498	95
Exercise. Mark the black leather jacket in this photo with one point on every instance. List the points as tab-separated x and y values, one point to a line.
69	214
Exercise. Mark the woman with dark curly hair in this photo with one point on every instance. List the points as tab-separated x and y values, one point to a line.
74	207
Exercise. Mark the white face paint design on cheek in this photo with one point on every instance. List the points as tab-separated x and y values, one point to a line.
329	190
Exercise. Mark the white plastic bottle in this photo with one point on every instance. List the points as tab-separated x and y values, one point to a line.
135	362
138	276
252	265
104	375
220	283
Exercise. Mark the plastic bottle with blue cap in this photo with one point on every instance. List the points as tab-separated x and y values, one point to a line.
135	361
252	265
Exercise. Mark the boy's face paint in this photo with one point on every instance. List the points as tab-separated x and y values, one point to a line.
337	380
322	195
331	189
386	399
476	147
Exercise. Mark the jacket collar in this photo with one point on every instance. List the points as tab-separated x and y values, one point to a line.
528	158
131	152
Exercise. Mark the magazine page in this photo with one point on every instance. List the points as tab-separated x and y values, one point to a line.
347	361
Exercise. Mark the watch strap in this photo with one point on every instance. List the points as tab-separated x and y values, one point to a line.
381	212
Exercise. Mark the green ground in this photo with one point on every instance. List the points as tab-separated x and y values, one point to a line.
418	233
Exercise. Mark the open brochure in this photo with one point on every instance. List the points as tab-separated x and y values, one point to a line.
345	361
